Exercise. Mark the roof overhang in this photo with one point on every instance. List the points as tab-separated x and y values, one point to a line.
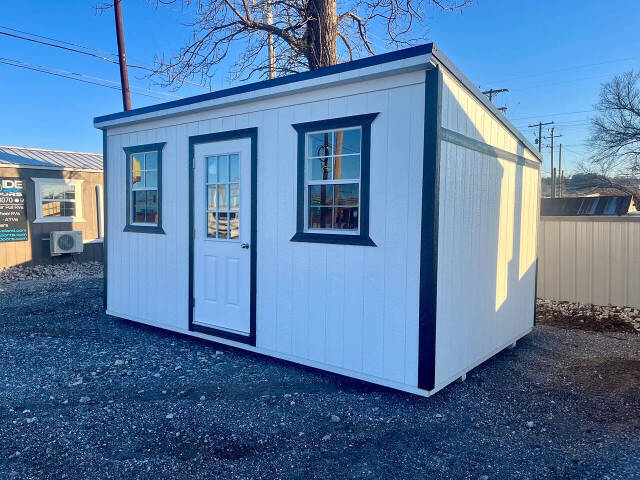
421	57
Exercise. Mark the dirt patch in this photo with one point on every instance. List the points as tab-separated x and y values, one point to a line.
593	318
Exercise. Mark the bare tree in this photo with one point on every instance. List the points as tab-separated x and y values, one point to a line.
306	34
615	131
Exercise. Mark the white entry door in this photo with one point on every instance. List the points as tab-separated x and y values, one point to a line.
221	245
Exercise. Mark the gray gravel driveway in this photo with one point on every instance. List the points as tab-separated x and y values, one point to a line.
87	396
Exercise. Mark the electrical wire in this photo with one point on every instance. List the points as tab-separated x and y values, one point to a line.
80	77
82	52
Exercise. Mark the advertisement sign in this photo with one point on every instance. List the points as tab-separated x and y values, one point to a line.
13	213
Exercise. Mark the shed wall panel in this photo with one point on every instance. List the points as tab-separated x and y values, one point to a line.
349	307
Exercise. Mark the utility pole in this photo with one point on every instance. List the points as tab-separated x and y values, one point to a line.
540	125
122	57
560	170
503	110
272	52
552	132
491	92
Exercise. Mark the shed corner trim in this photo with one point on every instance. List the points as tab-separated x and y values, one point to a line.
429	230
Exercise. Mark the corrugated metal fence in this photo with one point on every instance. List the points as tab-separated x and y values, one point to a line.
590	260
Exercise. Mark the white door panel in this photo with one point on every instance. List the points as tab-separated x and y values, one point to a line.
221	250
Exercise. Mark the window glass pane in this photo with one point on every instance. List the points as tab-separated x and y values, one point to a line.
222	225
151	161
58	191
234	168
320	169
211	197
345	218
234	196
151	214
211	225
137	166
51	209
346	167
234	225
347	194
151	178
212	169
347	141
320	217
223	168
68	209
319	144
320	195
138	179
223	202
47	192
139	206
70	192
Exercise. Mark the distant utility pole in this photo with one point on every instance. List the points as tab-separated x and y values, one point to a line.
491	92
553	136
122	57
540	125
561	173
503	110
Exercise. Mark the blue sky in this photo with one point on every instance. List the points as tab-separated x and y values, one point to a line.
551	55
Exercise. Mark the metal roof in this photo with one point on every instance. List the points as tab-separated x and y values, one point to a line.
41	158
584	206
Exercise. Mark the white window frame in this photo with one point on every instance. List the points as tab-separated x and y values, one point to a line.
41	182
308	182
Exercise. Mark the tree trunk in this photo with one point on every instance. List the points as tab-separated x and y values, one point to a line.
322	33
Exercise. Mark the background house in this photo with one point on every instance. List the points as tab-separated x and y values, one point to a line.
48	190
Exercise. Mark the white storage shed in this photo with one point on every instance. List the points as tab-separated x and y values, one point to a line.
375	219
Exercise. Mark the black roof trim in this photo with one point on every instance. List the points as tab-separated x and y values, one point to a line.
297	77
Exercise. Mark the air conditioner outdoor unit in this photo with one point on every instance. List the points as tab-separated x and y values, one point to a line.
65	242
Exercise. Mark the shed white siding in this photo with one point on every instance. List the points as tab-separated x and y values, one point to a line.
488	213
348	309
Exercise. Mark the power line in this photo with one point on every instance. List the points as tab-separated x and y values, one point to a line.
82	52
551	72
553	114
80	77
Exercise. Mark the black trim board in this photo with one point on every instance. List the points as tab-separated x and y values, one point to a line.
105	217
252	134
429	231
362	239
150	147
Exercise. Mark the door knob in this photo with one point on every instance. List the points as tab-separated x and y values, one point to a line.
244	245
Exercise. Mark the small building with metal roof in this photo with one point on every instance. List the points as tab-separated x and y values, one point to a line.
45	196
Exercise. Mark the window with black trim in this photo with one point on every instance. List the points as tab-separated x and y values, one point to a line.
333	180
144	188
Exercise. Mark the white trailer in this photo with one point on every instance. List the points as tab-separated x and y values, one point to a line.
376	219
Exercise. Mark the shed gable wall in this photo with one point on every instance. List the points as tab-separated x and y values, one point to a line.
488	214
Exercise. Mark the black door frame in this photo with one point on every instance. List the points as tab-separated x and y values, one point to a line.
251	134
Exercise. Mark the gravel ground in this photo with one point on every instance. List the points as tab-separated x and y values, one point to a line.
87	396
